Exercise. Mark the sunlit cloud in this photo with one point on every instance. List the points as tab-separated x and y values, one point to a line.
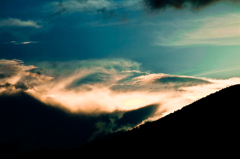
114	87
107	86
15	75
13	22
21	42
218	30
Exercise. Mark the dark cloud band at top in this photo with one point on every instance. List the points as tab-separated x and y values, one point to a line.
195	4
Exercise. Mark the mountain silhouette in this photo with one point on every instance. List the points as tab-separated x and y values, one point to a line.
205	128
26	124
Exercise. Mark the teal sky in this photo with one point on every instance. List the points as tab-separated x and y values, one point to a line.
75	70
196	42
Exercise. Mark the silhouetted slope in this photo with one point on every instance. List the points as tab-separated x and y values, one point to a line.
27	124
206	128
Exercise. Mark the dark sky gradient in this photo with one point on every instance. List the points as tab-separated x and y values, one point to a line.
75	70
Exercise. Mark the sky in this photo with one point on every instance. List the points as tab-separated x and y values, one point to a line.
131	61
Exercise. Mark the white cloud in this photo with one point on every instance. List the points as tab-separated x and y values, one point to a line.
13	22
14	71
22	42
218	30
26	42
88	88
133	4
106	86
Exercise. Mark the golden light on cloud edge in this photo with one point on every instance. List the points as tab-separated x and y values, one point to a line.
99	98
134	102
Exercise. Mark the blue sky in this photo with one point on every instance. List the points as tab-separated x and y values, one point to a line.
53	49
163	41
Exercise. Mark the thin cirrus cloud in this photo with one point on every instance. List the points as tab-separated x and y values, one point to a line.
13	22
101	6
21	42
73	5
105	86
219	30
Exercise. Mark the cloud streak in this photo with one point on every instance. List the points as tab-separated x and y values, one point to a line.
103	86
22	42
13	22
82	5
110	9
107	5
179	4
218	30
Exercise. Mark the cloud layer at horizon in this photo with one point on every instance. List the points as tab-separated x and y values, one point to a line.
96	96
106	85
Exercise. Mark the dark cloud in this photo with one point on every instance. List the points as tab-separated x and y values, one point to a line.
156	84
17	86
195	4
60	9
22	86
109	9
130	77
123	121
182	81
2	76
135	117
68	67
91	79
6	85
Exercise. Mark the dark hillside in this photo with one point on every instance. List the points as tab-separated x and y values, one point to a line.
205	128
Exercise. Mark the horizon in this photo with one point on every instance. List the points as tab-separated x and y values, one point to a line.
115	64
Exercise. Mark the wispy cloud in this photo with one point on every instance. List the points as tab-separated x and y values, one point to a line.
13	22
21	42
218	30
14	73
80	6
92	5
107	86
106	7
104	24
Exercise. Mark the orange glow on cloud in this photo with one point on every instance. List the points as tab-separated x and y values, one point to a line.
110	95
134	102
